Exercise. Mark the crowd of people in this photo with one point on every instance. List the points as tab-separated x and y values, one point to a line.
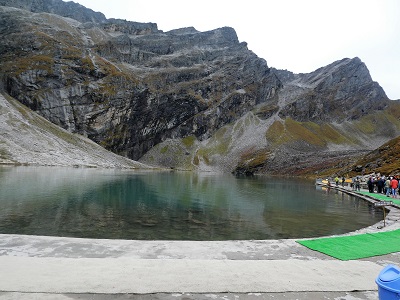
388	185
383	185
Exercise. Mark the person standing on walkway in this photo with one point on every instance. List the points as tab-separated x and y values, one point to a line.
370	184
380	183
387	187
353	183
394	184
337	181
358	184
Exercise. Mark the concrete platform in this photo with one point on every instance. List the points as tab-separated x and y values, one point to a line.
149	276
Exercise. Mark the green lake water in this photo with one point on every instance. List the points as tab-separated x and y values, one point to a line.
121	204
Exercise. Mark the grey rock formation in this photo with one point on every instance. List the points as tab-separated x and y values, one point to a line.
68	9
127	27
28	139
340	91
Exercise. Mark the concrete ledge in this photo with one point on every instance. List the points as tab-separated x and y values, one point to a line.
144	276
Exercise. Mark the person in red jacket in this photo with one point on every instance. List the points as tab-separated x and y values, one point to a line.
394	184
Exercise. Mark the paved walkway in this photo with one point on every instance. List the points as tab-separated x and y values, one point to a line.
34	267
144	276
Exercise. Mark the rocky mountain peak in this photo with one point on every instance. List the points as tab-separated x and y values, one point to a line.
65	9
129	27
339	91
185	30
353	71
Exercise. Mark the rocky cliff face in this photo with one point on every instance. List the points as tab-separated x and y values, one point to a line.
58	7
341	91
183	98
28	139
129	92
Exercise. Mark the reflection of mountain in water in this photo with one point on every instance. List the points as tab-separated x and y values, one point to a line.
163	205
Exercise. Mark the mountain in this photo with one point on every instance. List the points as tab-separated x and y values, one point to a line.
129	92
318	122
186	99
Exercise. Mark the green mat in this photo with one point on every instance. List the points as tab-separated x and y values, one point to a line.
380	197
356	246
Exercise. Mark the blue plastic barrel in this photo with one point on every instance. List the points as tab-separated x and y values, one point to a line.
388	283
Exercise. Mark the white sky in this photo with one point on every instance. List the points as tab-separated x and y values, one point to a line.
297	35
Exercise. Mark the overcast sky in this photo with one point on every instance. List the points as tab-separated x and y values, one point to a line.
297	35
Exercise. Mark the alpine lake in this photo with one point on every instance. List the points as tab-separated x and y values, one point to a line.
153	205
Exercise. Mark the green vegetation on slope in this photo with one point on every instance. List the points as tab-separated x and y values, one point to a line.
289	131
384	160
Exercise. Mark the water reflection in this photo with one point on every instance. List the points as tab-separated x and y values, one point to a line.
172	206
